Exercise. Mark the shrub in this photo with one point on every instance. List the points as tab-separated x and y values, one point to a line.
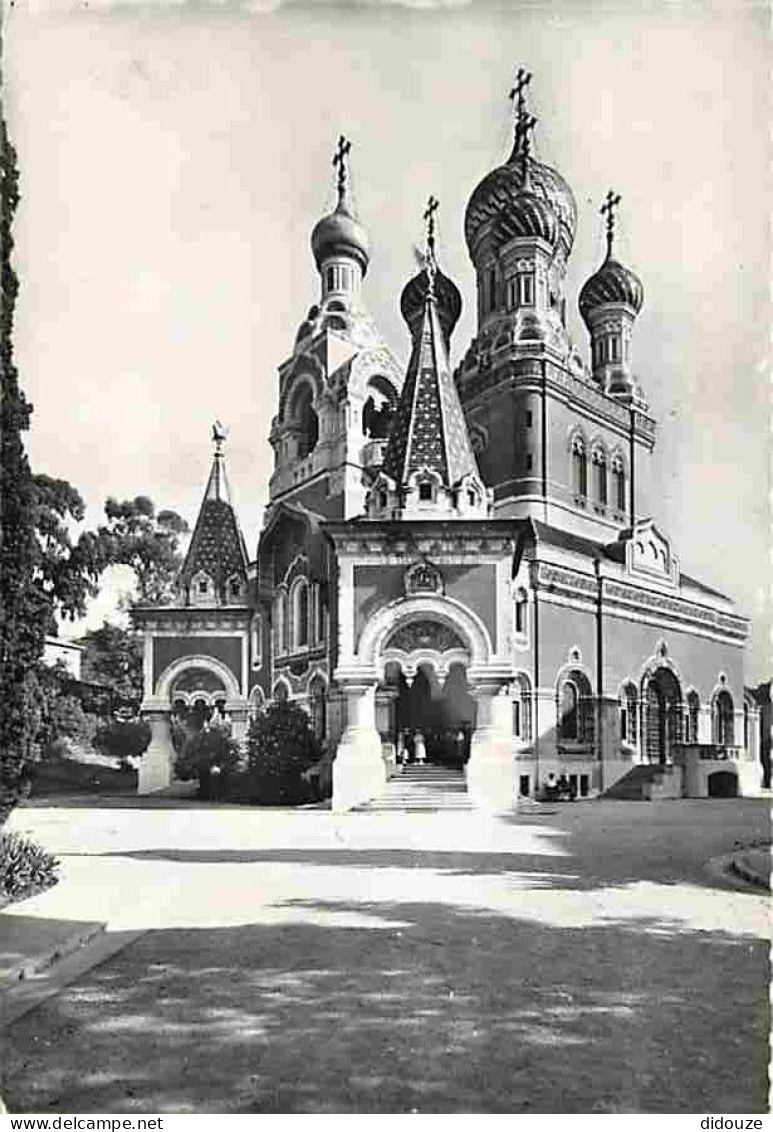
281	748
123	740
25	868
211	756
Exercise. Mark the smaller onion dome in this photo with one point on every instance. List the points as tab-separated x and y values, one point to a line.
341	233
612	283
448	301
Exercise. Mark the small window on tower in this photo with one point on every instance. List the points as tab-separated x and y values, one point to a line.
331	277
425	492
527	290
382	499
203	586
529	462
472	498
529	418
615	350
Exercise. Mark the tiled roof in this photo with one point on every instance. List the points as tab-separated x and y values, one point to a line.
429	429
217	546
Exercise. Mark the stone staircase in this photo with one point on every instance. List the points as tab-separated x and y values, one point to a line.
642	783
422	787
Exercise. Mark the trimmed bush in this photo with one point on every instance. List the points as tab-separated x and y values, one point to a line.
25	868
211	756
123	740
281	749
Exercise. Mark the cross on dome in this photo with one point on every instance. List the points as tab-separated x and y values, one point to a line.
608	209
342	151
522	80
429	215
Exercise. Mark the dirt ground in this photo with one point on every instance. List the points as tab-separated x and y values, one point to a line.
579	960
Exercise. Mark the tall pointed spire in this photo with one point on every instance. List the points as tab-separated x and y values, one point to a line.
215	567
429	467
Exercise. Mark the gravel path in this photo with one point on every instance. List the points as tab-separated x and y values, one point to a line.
576	961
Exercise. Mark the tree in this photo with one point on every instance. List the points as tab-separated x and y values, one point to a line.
136	535
123	740
281	747
54	714
112	657
24	613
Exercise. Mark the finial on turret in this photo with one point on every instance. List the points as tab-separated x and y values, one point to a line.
608	209
429	215
219	435
517	97
339	162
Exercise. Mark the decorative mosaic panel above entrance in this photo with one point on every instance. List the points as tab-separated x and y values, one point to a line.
425	635
423	578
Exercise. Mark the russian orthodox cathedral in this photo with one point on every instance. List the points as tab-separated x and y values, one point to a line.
458	568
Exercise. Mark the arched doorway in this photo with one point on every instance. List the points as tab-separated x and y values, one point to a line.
439	707
663	716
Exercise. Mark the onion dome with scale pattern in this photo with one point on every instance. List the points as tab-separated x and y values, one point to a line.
522	198
612	283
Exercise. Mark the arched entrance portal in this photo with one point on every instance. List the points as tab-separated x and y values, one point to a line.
663	716
439	708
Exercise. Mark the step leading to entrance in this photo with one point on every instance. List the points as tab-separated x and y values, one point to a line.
421	787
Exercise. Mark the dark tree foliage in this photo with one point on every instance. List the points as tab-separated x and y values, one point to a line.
147	541
280	748
123	739
55	712
24	611
209	755
112	657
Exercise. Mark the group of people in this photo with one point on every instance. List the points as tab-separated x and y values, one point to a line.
559	789
414	746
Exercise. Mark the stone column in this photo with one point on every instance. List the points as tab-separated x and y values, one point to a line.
358	771
386	700
155	771
706	724
491	769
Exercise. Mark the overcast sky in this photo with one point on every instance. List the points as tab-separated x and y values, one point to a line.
175	157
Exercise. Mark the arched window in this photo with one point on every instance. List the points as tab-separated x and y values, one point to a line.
629	715
724	722
618	484
579	467
522	709
281	695
256	702
691	716
256	642
526	287
279	624
304	422
300	614
521	608
575	709
568	724
600	477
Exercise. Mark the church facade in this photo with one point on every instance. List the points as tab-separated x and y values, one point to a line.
466	557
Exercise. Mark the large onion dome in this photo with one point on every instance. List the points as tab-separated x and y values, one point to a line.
521	198
341	234
448	301
612	283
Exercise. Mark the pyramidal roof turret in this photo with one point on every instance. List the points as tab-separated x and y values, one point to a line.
429	467
215	567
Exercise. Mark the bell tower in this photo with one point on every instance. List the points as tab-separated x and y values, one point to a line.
339	387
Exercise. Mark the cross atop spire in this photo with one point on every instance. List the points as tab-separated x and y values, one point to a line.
429	215
607	209
339	161
522	80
